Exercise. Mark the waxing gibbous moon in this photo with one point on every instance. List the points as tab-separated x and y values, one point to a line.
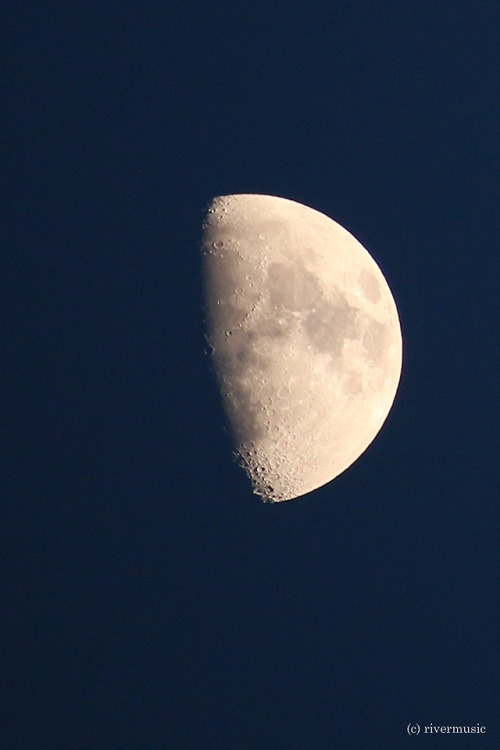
304	337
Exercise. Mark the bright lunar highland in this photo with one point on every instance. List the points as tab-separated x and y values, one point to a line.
305	340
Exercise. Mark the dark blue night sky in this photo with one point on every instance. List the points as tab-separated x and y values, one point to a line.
150	601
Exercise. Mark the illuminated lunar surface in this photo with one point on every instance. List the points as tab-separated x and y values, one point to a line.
305	340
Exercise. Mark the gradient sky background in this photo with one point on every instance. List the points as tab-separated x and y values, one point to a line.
151	602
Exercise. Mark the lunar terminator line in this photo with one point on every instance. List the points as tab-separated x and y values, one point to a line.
305	340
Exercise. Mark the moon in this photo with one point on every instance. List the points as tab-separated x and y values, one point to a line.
304	338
